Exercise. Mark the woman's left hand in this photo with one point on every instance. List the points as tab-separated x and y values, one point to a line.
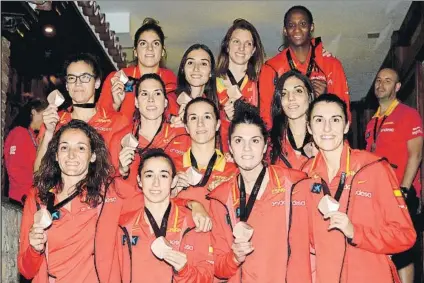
340	221
175	258
201	218
229	109
310	149
319	86
176	122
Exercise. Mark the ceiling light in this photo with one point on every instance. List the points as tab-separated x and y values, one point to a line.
49	30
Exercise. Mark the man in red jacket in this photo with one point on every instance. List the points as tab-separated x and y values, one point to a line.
304	54
396	132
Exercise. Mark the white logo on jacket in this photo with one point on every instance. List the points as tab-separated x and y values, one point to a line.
277	203
113	199
12	150
188	247
363	194
298	202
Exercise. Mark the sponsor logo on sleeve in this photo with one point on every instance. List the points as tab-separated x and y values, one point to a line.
12	150
416	131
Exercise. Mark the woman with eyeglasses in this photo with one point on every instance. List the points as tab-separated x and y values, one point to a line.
196	78
83	78
149	50
363	218
149	128
203	167
252	212
237	69
291	144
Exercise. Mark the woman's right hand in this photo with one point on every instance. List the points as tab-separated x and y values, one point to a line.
241	249
181	183
37	237
50	118
176	122
126	157
118	93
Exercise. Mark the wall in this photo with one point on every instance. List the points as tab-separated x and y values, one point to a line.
10	225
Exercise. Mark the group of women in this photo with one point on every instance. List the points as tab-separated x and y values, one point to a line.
253	188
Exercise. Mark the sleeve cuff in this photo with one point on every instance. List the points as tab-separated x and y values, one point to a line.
33	253
182	202
357	236
230	262
184	271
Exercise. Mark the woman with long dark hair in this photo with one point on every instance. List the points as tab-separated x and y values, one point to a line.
237	69
357	214
149	50
196	78
305	54
250	212
20	148
291	144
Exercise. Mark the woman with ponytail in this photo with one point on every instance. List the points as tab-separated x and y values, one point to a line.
149	50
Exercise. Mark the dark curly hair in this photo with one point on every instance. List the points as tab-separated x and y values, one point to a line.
94	185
